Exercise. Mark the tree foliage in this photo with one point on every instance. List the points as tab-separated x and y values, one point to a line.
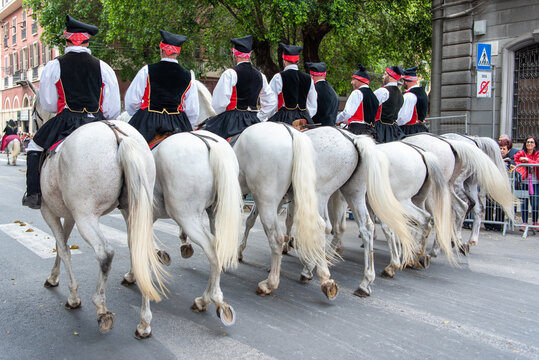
340	32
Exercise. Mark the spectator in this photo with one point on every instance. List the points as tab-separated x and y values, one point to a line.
506	146
529	155
512	150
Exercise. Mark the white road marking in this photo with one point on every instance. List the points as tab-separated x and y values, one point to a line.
114	236
37	241
3	158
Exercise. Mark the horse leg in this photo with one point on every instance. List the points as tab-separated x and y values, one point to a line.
337	215
473	193
89	230
52	280
186	249
144	329
63	252
460	206
195	230
288	239
268	217
366	233
394	251
249	223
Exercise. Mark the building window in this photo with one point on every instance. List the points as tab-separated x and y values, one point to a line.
525	92
34	55
34	25
23	25
6	66
5	35
24	58
14	30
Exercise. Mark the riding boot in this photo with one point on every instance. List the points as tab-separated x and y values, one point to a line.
32	197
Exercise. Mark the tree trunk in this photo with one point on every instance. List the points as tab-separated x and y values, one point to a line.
313	34
264	62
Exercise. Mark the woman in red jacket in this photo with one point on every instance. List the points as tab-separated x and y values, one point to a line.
529	155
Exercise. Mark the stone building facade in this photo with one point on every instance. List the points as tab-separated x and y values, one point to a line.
511	27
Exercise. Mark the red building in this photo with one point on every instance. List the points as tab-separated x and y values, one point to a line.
23	57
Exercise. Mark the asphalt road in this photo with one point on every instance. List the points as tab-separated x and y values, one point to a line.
487	308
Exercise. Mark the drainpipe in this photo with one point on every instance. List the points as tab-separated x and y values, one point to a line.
436	66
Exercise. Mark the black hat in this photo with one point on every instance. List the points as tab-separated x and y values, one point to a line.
361	74
243	44
317	69
395	72
172	39
75	26
410	74
290	52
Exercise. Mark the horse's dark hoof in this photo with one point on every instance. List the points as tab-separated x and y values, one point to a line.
106	322
464	249
186	251
304	279
361	293
139	336
127	283
164	257
388	274
48	284
69	306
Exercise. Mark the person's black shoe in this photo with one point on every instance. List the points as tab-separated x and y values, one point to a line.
32	201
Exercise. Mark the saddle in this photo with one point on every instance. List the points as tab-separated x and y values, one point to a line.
299	124
157	139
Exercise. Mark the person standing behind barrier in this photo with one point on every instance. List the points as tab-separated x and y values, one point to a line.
529	155
505	148
512	150
327	99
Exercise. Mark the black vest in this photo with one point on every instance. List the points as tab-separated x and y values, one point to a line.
422	104
328	104
168	83
296	85
248	86
370	104
80	76
390	108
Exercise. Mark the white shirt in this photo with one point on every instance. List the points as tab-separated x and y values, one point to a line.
382	94
135	94
48	94
407	109
223	92
352	104
276	85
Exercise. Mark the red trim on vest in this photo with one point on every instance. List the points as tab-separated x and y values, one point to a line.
413	120
280	101
61	103
101	97
233	100
146	96
180	107
291	58
378	113
358	116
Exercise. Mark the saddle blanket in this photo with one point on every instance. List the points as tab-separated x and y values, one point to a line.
7	139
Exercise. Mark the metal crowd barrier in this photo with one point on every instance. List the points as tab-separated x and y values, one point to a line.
494	215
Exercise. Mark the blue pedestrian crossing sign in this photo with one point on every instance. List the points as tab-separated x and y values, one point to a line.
483	56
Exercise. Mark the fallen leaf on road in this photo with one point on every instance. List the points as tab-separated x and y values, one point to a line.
53	250
72	247
75	333
446	322
29	230
11	278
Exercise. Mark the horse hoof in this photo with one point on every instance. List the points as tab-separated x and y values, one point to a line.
424	261
464	249
263	290
198	306
240	257
186	251
305	279
69	306
105	321
291	242
140	336
361	293
226	313
126	282
339	250
473	242
330	289
49	284
164	257
388	274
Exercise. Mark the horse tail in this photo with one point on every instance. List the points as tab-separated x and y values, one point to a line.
140	221
374	164
309	227
441	206
490	178
228	204
16	150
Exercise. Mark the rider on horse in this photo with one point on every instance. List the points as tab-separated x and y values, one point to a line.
10	129
327	100
163	97
237	93
416	102
360	109
295	90
80	89
390	100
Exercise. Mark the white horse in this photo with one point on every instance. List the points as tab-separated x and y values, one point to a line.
94	171
197	172
13	149
468	184
338	156
468	160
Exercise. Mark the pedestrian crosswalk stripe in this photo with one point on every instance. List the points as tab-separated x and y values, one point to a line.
37	241
114	236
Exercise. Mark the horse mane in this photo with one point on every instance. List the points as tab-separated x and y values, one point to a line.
204	99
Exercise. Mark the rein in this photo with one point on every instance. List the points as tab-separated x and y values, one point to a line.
115	129
420	150
204	138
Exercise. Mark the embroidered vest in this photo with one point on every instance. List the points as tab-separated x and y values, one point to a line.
296	85
366	111
328	104
166	87
421	106
389	110
247	90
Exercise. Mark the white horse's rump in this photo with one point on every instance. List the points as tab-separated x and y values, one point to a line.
13	149
272	159
80	183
